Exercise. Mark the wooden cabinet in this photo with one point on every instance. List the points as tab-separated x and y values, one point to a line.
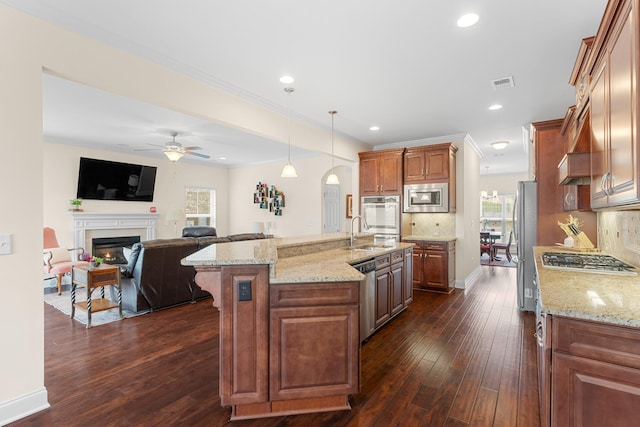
579	79
284	348
614	108
434	265
432	164
244	349
408	276
314	347
383	289
595	374
577	197
390	287
543	342
381	172
549	151
429	163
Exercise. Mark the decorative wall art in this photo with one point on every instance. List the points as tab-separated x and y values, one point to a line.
269	197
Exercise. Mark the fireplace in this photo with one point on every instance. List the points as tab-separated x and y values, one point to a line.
110	248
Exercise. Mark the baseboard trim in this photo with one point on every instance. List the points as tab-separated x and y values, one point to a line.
23	406
470	280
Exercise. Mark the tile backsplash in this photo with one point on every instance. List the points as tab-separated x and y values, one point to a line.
619	234
429	224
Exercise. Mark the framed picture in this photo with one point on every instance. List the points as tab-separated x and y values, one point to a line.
349	206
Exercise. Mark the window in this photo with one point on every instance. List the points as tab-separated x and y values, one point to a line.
496	213
200	207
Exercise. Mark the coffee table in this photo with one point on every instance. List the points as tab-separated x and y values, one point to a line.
92	278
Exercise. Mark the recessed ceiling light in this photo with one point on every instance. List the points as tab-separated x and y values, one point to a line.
495	107
287	80
467	20
374	128
222	158
500	145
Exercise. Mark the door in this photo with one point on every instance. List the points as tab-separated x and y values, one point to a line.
331	207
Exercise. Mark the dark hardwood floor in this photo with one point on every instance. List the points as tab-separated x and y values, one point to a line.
465	359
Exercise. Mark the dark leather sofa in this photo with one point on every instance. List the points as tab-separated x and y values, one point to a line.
155	279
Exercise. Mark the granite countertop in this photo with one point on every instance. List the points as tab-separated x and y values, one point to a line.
322	258
429	238
609	298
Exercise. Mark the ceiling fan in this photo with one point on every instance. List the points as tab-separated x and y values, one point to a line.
174	150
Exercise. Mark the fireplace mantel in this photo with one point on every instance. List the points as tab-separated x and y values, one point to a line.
83	221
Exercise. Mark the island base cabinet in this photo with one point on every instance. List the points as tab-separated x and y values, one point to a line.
244	355
313	352
284	348
591	393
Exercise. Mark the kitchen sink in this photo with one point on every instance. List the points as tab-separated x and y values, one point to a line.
368	248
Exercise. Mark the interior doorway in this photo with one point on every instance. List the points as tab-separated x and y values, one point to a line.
331	208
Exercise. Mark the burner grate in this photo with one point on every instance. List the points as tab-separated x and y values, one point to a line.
587	263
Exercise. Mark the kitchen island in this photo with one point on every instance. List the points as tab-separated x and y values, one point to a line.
289	320
588	335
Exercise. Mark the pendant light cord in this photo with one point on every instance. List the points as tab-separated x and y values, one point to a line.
289	90
333	157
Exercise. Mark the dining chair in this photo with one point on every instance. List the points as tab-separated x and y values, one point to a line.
57	260
485	243
503	246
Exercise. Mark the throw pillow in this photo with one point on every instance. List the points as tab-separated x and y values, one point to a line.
57	255
133	258
127	253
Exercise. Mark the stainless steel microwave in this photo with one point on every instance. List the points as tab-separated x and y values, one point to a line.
426	197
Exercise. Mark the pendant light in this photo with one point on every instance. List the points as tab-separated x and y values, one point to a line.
333	178
484	193
288	171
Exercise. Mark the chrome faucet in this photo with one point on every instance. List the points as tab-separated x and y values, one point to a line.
364	224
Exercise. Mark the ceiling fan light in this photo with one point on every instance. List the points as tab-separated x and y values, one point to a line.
174	156
333	179
500	145
288	171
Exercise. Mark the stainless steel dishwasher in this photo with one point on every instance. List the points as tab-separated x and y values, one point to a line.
367	298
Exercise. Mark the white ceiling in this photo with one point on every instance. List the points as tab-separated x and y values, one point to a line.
403	66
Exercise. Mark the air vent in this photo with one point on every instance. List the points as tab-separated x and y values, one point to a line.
502	82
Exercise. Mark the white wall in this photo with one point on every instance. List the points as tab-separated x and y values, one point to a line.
60	181
302	214
29	47
504	184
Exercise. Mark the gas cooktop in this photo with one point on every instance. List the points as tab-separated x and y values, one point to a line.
587	263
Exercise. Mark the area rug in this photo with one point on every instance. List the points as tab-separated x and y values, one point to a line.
63	304
503	262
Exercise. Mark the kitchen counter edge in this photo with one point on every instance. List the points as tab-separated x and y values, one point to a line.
599	297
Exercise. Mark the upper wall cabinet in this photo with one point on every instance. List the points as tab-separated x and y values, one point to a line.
381	172
430	163
580	75
614	108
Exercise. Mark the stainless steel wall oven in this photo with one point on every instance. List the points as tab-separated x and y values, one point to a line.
382	214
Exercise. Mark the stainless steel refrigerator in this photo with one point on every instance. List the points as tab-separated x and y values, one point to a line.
526	228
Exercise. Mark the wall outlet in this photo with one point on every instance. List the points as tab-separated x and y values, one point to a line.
528	293
244	290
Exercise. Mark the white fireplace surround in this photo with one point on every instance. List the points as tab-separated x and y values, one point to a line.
84	222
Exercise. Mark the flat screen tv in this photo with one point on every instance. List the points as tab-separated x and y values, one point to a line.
107	180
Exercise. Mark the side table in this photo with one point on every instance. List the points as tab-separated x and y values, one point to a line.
92	278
